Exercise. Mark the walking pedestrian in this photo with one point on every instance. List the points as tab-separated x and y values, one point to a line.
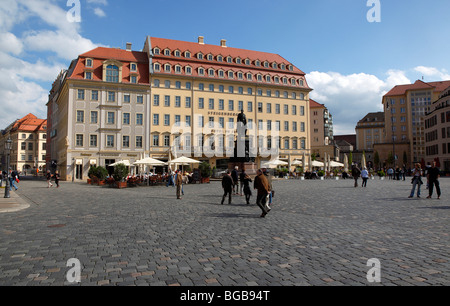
227	185
271	192
12	180
356	173
49	179
365	177
235	177
433	180
179	183
262	185
247	190
416	180
57	177
241	180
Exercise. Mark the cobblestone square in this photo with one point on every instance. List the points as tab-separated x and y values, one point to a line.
318	233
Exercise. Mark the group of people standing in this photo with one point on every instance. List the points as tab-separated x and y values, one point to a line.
432	173
262	183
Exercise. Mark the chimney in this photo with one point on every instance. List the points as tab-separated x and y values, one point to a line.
129	46
201	40
223	43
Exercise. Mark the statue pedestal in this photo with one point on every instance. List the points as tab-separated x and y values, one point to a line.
243	162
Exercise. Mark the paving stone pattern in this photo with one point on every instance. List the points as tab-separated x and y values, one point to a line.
318	233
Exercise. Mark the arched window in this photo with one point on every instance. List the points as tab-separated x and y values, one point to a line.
112	74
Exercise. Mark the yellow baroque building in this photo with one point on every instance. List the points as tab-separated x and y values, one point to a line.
175	98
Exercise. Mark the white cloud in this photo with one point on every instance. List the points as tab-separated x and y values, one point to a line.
350	97
431	72
22	81
99	12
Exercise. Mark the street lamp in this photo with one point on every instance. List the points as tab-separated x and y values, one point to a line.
8	147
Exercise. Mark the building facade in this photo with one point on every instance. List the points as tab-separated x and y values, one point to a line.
29	145
437	132
176	98
405	107
321	131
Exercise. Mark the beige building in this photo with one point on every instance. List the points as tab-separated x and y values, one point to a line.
437	132
29	142
405	107
321	131
176	98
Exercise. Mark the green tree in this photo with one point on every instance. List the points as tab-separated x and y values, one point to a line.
390	159
376	159
350	158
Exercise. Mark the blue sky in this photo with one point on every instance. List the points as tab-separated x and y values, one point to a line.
349	61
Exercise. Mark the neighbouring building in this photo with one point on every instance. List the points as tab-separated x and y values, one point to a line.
321	129
437	132
405	107
29	145
369	132
172	98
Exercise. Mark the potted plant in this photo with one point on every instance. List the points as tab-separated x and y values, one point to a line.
120	174
381	174
336	173
321	173
205	172
101	174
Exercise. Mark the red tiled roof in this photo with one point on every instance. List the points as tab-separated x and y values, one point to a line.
30	123
100	54
195	63
314	104
400	90
194	48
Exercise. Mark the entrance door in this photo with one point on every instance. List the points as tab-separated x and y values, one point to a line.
79	172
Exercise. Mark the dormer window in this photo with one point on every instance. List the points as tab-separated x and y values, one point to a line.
178	69
238	60
249	77
211	72
229	59
259	78
276	80
199	56
221	73
177	53
293	82
210	57
268	79
201	71
240	75
112	73
133	67
266	64
188	70
285	81
167	68
257	63
274	66
187	54
220	58
89	63
156	67
247	61
291	68
156	51
230	74
167	52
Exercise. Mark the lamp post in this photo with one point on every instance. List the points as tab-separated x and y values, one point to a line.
8	147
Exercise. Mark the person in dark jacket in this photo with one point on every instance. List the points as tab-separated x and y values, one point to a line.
227	185
57	177
262	185
433	180
356	173
247	191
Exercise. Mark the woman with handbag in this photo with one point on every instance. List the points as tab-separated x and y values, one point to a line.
416	180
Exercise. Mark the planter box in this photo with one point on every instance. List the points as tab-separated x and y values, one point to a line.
101	183
89	181
121	185
321	178
205	180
